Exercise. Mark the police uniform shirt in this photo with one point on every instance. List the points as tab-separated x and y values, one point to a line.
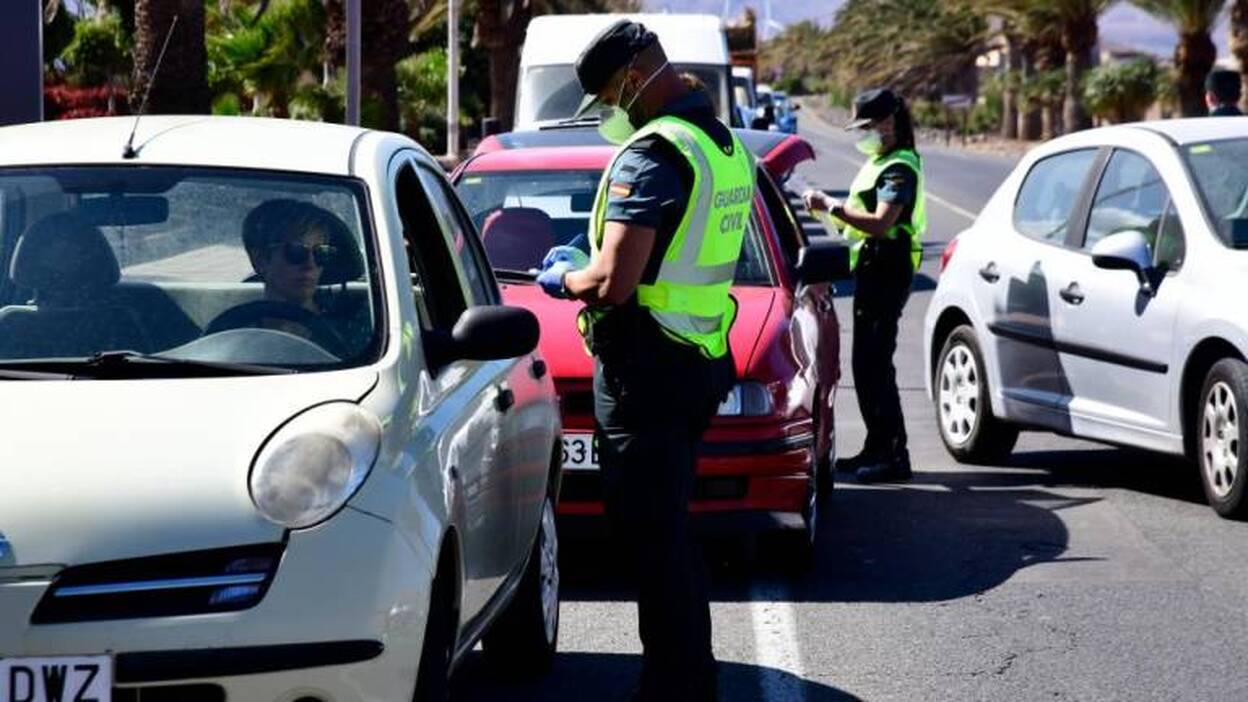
897	185
649	186
650	182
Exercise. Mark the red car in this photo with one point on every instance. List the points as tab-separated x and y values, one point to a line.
767	454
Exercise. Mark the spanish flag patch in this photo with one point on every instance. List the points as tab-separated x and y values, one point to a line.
620	190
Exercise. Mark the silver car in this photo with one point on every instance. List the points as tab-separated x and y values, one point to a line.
1101	294
269	434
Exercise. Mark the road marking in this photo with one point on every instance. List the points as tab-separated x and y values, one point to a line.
776	647
930	195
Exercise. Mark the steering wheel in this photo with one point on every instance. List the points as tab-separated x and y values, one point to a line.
250	314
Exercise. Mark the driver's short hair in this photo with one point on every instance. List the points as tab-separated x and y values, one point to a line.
272	220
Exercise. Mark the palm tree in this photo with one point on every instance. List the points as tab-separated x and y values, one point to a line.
1073	26
182	85
1195	53
1239	35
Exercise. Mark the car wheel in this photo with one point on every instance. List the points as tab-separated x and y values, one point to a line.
524	637
1221	435
433	676
796	547
969	430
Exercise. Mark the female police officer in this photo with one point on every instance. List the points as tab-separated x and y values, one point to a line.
666	231
884	219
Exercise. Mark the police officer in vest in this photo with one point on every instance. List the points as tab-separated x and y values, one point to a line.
665	234
884	220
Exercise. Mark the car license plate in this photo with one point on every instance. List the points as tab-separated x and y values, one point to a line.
59	679
579	452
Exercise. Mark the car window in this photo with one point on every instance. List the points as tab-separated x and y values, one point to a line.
220	264
1220	171
461	235
1049	194
1130	197
1171	246
521	215
436	285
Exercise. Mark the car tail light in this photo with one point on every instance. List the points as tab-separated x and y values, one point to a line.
947	254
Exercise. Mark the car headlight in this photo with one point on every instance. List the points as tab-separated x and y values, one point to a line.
310	467
748	399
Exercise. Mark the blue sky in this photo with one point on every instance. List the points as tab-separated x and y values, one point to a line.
1123	24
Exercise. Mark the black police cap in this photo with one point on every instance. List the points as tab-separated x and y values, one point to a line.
872	105
613	49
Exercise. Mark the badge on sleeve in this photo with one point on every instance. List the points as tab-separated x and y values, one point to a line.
618	189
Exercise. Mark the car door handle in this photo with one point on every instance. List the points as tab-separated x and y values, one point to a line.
538	369
1072	294
505	400
990	272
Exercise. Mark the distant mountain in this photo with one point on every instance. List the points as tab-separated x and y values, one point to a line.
1122	25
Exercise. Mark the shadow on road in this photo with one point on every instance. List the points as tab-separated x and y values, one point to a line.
944	536
608	677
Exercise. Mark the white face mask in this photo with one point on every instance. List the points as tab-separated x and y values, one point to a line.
870	144
616	126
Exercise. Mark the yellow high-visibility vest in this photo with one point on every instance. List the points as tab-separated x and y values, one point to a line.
690	298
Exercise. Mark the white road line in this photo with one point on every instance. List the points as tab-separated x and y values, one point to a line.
777	652
930	196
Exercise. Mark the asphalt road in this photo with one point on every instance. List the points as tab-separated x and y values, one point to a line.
1075	572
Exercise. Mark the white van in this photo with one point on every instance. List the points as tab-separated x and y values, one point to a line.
549	92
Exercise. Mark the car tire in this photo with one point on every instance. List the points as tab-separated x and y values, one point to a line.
524	638
1221	433
433	676
968	428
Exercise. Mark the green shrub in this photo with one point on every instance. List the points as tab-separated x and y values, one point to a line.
98	52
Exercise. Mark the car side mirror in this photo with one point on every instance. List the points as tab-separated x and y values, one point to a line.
823	262
1126	251
490	333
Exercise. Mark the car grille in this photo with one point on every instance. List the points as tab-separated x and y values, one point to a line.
586	486
198	582
170	693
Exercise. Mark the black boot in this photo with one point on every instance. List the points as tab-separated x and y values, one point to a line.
853	463
895	470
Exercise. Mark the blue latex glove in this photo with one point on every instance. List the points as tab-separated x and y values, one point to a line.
551	279
570	254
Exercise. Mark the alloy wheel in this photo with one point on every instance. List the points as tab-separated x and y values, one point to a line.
1219	439
959	395
549	553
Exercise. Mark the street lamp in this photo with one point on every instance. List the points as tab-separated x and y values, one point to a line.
452	79
353	62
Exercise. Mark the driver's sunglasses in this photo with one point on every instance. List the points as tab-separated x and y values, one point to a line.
296	253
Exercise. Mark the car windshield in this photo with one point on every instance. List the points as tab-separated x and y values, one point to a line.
521	215
200	266
1220	169
552	93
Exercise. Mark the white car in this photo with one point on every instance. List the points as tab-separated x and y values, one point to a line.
268	432
1101	294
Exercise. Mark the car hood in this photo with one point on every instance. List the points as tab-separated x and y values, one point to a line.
111	469
561	343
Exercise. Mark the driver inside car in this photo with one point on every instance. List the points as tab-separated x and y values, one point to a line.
296	248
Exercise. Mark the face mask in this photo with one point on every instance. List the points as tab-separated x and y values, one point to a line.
616	126
871	144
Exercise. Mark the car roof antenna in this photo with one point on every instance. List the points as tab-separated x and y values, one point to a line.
129	151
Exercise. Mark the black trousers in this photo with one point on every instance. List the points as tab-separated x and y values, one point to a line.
883	279
651	411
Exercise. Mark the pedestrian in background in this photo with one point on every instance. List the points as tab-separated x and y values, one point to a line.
1223	89
666	231
884	220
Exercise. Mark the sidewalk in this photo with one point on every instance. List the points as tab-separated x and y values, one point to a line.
979	143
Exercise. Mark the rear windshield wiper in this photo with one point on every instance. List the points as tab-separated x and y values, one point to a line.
511	274
132	364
